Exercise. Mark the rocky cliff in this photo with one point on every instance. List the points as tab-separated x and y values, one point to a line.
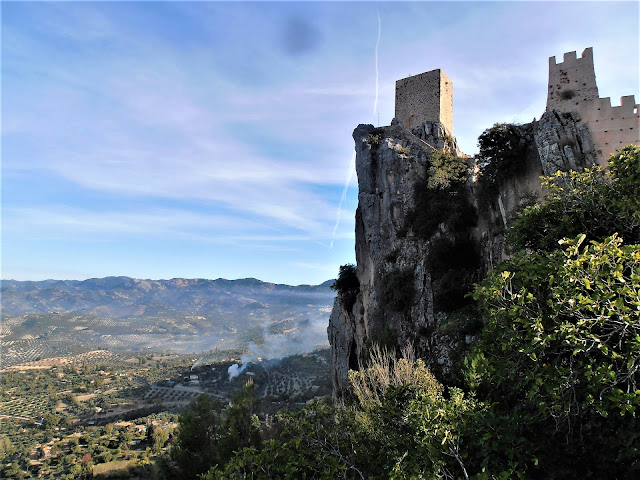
426	231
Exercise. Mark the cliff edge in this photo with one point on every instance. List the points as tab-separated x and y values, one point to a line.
427	229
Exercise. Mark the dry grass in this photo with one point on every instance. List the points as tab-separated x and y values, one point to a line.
112	467
385	371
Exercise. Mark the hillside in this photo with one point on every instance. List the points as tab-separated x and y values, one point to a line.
62	317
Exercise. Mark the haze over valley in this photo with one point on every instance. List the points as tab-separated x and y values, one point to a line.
62	317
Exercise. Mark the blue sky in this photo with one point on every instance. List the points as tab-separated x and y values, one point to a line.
207	139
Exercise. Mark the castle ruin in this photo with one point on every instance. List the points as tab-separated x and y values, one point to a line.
572	88
427	97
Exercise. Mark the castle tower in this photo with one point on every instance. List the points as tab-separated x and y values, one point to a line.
572	88
571	82
425	97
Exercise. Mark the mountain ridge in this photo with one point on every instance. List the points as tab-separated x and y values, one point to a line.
121	296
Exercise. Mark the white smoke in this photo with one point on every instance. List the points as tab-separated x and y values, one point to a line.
308	335
235	370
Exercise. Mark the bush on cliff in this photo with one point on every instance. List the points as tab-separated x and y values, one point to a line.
347	285
559	357
439	197
596	202
398	289
502	153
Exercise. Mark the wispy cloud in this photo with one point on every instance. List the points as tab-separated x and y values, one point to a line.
136	121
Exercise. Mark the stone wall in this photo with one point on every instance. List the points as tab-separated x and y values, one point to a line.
572	88
571	82
612	128
427	97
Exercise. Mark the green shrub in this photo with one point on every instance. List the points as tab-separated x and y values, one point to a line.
440	198
560	354
446	171
347	285
502	153
398	289
597	202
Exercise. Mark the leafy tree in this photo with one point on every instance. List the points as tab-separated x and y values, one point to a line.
196	447
402	424
51	420
240	426
560	355
502	152
6	447
314	444
596	202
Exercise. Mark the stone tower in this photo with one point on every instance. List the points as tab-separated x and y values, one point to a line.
571	82
572	88
427	97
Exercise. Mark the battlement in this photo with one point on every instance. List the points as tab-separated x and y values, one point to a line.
612	128
571	82
570	60
427	97
572	87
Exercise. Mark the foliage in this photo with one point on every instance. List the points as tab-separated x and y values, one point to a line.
596	202
385	372
552	384
240	425
347	285
446	171
198	437
439	198
561	354
373	139
207	437
315	443
402	424
502	153
398	289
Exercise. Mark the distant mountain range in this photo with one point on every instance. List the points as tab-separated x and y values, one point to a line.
125	297
50	317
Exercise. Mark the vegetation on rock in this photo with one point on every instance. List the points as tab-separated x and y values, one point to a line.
550	389
502	153
347	285
596	202
439	197
398	289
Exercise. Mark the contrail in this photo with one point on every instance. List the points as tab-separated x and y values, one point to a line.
352	165
375	103
352	170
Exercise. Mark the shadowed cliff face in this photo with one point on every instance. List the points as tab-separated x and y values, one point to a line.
420	247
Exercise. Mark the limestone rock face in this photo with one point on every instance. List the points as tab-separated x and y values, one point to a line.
390	162
564	142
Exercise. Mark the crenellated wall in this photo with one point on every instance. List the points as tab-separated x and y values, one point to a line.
572	88
571	82
612	128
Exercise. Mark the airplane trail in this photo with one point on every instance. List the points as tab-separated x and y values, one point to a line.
352	163
352	170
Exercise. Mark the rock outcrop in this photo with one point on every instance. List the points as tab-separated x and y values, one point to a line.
412	284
